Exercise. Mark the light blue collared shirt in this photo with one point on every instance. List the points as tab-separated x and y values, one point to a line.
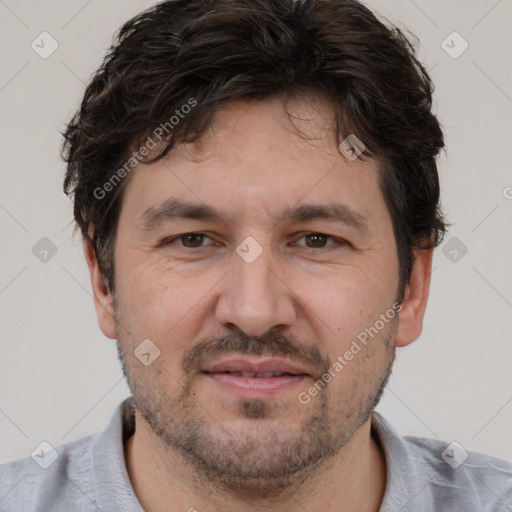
89	475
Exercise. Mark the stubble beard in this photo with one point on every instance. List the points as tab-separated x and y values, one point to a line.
269	460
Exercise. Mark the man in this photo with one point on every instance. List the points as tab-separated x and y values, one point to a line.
256	185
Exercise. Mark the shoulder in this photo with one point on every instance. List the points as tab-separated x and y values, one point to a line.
50	479
442	475
485	480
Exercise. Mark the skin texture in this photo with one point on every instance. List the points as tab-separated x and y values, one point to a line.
304	299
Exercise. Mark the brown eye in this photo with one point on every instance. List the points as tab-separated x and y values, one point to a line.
188	240
192	240
316	240
320	241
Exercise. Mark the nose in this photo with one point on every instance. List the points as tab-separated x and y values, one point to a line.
255	297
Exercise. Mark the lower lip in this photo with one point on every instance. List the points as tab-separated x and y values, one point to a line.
255	387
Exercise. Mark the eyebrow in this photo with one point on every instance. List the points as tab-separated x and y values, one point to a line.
175	209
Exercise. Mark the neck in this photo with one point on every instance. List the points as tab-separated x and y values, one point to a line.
353	480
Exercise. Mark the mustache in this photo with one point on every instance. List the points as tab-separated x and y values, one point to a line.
269	344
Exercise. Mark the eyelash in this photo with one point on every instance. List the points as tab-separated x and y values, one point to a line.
337	241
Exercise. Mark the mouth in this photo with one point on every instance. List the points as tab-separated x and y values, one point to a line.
255	378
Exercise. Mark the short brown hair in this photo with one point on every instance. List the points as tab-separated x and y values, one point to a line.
217	51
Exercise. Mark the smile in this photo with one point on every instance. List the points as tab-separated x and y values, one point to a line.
255	378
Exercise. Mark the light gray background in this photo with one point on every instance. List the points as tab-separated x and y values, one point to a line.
59	376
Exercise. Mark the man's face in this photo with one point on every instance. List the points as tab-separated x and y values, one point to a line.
256	292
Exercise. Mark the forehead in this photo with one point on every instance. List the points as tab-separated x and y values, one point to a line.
257	159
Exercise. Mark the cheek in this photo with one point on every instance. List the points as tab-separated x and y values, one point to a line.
346	301
140	294
165	304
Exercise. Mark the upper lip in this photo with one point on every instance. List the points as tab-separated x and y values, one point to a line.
254	366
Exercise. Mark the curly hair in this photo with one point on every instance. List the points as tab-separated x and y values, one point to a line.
217	51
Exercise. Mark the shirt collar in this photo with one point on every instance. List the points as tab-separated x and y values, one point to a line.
114	490
406	476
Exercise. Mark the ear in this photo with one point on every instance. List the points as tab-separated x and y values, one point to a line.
103	300
415	299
